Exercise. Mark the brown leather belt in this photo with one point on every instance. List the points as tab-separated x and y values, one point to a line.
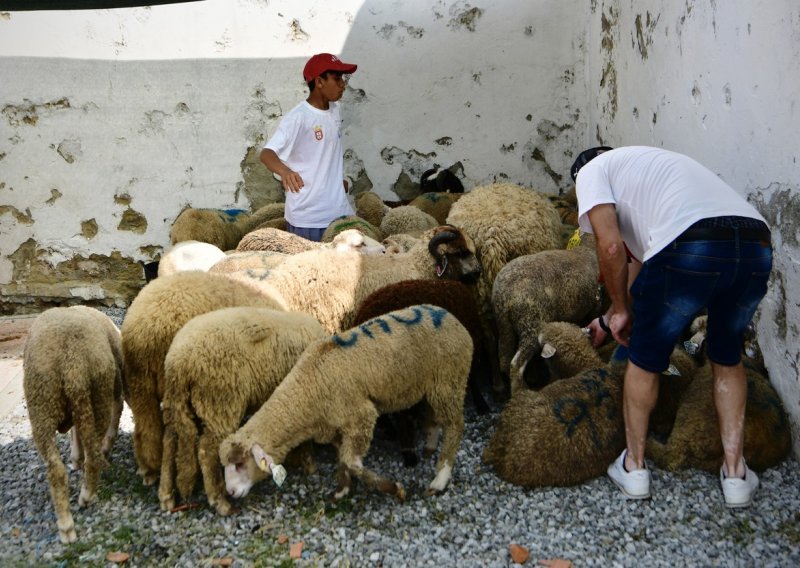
724	234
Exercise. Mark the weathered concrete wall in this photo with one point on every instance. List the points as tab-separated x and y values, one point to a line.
113	121
146	111
719	81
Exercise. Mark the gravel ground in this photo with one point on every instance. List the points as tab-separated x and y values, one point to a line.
472	524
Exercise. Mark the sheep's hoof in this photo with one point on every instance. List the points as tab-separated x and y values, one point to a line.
66	531
85	497
225	509
430	492
341	493
400	493
167	503
149	479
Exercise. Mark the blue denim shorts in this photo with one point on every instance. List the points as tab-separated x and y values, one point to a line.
726	277
310	233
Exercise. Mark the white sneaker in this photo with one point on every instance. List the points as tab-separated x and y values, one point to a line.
634	484
738	492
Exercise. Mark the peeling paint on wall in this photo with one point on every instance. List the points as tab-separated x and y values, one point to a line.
29	112
37	284
466	18
644	33
89	228
19	216
55	195
608	80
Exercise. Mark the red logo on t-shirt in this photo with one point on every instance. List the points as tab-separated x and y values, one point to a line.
318	132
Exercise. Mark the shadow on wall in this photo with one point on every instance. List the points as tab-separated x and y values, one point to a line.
454	86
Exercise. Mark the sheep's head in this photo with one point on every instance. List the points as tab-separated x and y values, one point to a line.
354	240
244	468
454	253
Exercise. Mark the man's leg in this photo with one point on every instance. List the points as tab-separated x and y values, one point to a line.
730	398
639	397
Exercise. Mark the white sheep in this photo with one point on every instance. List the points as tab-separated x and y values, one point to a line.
160	309
406	219
73	381
275	240
505	221
340	385
552	285
221	367
189	255
331	285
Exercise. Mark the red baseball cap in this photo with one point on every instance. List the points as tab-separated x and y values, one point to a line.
322	62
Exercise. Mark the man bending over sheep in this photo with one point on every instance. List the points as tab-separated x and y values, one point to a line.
696	244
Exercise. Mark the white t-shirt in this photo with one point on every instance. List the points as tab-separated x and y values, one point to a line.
309	141
658	194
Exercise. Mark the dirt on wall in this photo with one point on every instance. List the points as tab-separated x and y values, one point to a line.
37	284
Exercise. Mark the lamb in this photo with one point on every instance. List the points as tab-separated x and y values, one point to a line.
331	285
694	441
506	221
406	219
189	255
223	229
160	309
553	285
416	354
436	204
73	381
351	222
288	243
455	297
221	367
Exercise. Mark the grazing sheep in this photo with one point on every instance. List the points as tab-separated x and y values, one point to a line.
189	255
72	379
223	229
436	204
417	354
552	285
331	285
288	243
407	220
564	434
455	297
370	207
505	221
160	309
694	441
221	367
351	222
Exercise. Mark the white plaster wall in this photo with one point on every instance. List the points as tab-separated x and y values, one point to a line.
719	81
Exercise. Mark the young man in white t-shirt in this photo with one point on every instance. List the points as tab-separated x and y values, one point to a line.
673	239
306	151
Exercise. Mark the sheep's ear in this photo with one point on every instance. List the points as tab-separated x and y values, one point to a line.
548	351
262	459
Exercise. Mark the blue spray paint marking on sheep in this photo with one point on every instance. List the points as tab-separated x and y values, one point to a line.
572	412
367	329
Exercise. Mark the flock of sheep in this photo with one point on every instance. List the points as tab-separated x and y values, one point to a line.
252	343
